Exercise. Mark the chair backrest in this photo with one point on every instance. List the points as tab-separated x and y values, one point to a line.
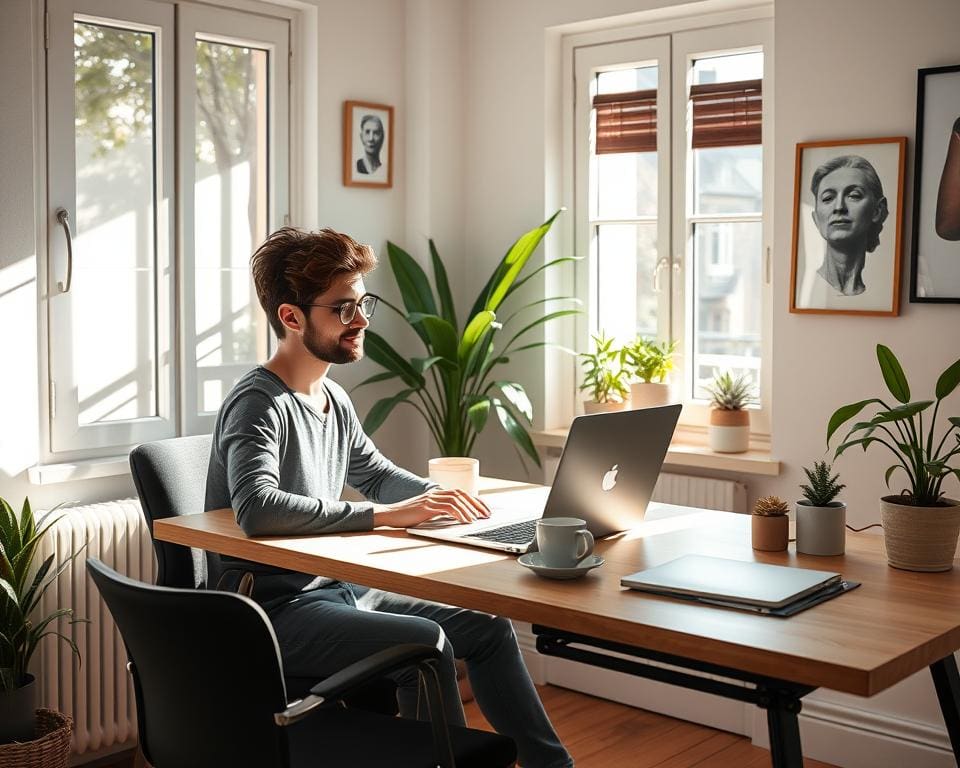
207	673
171	476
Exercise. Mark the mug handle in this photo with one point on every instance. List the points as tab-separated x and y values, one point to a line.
585	538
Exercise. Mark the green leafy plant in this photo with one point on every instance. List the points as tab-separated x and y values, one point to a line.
901	429
603	373
728	393
453	386
21	590
822	488
771	506
648	360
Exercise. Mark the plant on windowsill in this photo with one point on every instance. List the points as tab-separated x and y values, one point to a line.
769	524
821	521
920	525
452	387
649	363
729	427
39	731
604	377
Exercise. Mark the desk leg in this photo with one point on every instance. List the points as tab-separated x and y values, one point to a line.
947	682
784	729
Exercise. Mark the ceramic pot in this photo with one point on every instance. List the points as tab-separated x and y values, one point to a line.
729	431
770	533
591	406
17	712
920	538
821	530
649	394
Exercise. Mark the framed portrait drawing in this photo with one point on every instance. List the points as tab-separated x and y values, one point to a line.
847	219
935	256
367	144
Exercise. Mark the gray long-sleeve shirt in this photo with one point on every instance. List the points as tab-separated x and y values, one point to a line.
282	465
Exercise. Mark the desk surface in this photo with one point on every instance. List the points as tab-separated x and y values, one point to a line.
862	642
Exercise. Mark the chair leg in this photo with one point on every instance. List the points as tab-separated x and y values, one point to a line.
443	748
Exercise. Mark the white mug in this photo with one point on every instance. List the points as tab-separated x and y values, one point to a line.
563	541
461	472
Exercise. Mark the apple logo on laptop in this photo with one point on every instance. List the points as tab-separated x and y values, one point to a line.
610	478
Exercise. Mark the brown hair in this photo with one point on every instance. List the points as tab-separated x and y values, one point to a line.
293	267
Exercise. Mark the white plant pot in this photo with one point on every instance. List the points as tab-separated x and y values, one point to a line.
591	406
649	394
821	530
729	431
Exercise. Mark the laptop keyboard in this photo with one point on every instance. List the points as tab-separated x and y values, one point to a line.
516	533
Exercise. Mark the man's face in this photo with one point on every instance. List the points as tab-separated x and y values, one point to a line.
324	336
845	209
371	134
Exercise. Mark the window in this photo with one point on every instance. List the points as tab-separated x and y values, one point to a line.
152	315
672	194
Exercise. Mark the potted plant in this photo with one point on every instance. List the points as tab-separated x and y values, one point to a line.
604	377
729	427
649	363
453	386
821	521
920	525
769	524
22	584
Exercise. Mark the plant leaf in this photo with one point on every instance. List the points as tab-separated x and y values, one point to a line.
443	336
540	320
893	374
516	431
844	413
948	381
902	412
517	397
472	333
385	376
478	413
380	351
864	441
889	473
447	309
382	408
412	281
533	273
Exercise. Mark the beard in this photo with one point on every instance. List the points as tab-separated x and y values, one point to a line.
333	351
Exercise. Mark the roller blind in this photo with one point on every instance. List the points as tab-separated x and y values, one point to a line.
626	122
727	114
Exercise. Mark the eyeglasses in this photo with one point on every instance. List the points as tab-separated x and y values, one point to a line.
348	309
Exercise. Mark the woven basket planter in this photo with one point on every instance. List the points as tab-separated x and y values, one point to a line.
920	538
50	747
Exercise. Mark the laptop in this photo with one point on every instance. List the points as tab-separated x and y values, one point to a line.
607	472
731	583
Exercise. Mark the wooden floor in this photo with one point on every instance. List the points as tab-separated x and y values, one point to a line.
600	734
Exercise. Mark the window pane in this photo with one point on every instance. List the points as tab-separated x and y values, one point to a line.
626	259
628	79
728	68
230	198
626	185
114	260
727	286
728	179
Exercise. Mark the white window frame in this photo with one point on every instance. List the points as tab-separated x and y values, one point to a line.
684	39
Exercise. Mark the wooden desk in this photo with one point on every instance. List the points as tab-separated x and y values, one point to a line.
862	642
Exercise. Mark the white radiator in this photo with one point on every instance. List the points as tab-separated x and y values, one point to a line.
97	694
703	492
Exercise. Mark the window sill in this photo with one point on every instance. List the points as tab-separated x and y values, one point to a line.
689	449
88	469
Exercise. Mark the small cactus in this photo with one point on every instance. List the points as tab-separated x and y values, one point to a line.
771	506
822	488
728	393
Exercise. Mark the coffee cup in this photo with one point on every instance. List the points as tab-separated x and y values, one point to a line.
563	542
451	472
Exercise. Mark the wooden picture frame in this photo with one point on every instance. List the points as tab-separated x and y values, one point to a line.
935	252
367	145
847	240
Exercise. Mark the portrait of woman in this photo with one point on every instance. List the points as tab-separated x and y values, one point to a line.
948	196
367	144
846	230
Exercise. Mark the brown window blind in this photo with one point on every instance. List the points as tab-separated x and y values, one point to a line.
626	122
727	114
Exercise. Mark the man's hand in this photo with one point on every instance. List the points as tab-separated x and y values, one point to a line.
457	505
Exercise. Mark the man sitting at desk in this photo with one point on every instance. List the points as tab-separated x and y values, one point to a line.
286	440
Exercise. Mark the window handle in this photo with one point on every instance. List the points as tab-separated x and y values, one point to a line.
64	218
656	273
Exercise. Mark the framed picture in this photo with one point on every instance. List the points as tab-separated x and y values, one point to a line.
367	144
935	259
847	218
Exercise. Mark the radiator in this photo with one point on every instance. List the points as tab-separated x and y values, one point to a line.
98	693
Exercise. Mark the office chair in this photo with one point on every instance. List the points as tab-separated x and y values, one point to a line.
208	682
170	477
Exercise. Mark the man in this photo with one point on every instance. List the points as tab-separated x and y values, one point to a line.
371	136
285	442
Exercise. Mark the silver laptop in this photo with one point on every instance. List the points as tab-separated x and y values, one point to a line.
607	472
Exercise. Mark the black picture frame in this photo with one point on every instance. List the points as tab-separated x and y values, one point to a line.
935	259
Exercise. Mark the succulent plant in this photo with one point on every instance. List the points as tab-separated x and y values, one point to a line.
604	375
770	506
822	489
728	393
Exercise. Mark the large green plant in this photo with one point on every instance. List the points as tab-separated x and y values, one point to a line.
453	385
900	428
21	590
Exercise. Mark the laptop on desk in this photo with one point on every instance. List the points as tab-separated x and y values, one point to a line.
607	472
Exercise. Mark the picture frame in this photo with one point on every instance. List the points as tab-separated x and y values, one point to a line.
367	145
935	251
847	240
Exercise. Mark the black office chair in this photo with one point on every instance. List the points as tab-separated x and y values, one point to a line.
209	689
170	477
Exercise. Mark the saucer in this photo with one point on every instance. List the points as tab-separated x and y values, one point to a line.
534	561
